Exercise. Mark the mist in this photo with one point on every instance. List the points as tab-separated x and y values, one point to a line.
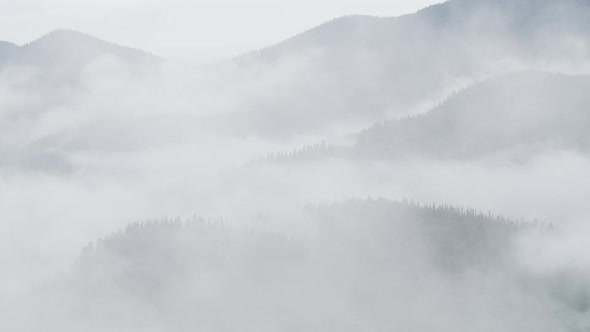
423	172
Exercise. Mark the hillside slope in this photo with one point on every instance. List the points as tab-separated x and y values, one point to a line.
376	258
361	67
522	113
64	52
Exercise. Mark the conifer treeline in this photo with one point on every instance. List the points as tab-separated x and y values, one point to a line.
443	215
321	149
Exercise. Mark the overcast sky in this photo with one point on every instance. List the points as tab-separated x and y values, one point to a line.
201	30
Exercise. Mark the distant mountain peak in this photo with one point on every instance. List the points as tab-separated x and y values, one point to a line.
71	48
64	34
61	38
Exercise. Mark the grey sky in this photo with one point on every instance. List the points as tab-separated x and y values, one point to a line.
192	30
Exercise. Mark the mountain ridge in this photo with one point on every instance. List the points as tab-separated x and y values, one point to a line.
522	114
439	13
67	51
71	34
523	108
211	262
401	62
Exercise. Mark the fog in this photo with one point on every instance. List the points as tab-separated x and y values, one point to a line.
424	172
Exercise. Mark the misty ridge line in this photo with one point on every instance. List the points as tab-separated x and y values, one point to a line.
328	147
335	147
431	9
232	254
222	224
317	28
340	147
75	33
65	34
204	224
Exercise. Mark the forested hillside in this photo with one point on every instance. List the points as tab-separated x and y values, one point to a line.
513	116
523	113
363	256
